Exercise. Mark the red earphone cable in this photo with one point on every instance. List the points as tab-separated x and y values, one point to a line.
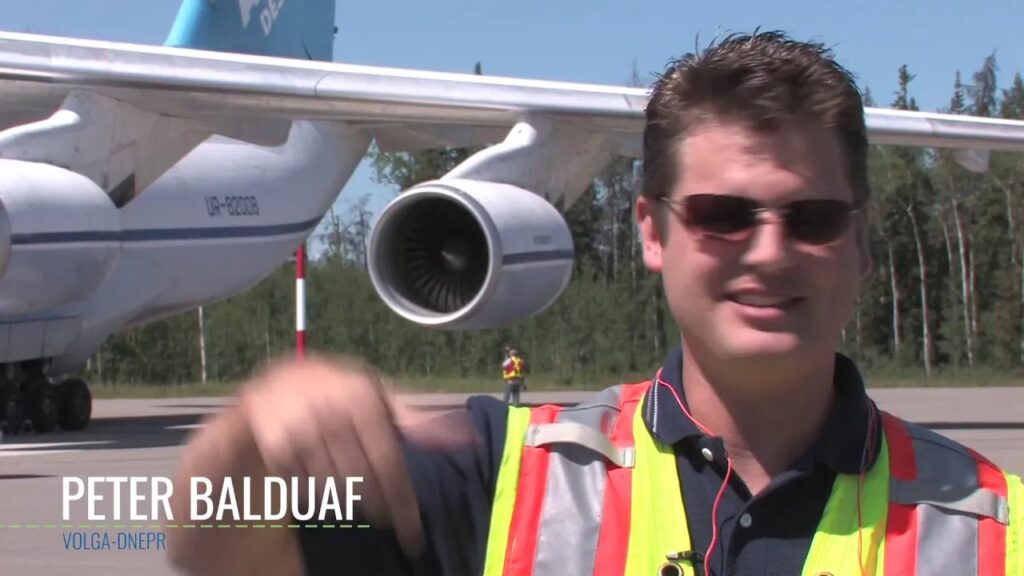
725	482
714	519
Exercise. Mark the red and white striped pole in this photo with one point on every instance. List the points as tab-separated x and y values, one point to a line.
300	301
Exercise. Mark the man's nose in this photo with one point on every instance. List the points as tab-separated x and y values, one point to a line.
769	246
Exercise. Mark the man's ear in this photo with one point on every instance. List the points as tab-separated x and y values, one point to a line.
647	218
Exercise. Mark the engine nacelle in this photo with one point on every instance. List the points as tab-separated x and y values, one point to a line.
465	254
60	235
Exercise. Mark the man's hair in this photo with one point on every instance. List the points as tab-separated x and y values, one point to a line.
764	80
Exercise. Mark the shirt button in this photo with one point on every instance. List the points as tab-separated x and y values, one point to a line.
708	454
746	520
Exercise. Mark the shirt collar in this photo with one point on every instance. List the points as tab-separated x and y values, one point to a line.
840	446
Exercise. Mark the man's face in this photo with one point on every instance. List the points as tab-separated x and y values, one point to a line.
766	297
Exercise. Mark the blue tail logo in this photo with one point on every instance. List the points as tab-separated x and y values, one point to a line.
287	28
267	15
246	6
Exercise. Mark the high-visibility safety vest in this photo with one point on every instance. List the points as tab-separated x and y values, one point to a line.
513	368
588	490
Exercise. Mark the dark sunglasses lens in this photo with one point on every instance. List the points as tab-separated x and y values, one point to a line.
818	221
720	215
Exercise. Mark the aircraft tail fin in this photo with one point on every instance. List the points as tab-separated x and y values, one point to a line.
301	29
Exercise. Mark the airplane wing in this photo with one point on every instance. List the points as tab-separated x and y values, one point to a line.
427	107
38	71
132	111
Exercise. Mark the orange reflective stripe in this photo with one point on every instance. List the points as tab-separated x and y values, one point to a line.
901	524
992	552
533	474
613	542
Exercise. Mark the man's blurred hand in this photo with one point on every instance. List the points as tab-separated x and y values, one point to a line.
320	418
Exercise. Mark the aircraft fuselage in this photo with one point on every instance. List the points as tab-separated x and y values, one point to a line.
215	224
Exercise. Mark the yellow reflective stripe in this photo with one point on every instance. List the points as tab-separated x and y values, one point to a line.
1015	527
834	548
658	518
505	490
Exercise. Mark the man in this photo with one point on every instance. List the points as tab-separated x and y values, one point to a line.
512	372
754	448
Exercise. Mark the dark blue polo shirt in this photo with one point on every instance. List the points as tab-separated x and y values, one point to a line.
766	535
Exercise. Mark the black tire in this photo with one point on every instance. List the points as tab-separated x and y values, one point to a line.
12	408
42	406
75	405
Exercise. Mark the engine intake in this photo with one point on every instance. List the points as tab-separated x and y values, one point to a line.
465	254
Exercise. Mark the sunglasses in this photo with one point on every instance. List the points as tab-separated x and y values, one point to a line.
816	222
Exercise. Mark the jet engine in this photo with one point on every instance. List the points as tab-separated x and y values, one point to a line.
60	235
466	254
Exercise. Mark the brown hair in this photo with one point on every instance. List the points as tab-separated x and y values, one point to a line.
765	80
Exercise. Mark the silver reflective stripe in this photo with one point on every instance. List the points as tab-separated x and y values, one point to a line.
949	504
652	407
980	502
570	519
579	435
947	544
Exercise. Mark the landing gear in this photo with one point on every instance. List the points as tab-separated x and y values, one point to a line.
31	397
12	408
75	404
41	404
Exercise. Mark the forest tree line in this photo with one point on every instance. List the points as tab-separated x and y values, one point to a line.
947	292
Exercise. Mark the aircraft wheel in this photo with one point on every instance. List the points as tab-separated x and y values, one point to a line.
41	404
12	408
75	405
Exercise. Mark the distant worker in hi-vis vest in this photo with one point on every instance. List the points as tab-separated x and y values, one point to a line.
754	449
512	372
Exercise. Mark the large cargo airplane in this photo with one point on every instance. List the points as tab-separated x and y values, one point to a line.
139	182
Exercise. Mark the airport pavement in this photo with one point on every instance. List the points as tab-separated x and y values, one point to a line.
144	437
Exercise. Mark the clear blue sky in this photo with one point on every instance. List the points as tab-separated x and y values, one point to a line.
598	40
